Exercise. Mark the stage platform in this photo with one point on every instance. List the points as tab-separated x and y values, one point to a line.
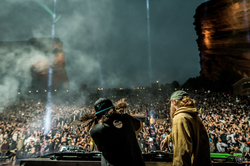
49	162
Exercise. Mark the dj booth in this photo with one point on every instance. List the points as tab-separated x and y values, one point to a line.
74	156
94	159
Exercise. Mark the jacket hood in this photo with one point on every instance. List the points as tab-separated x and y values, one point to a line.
188	110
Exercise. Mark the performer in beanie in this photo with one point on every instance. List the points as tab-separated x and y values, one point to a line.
114	133
189	136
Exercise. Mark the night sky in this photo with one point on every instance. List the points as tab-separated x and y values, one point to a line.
117	31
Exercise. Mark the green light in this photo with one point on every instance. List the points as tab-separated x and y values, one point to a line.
46	8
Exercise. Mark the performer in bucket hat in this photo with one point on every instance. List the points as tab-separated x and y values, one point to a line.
114	133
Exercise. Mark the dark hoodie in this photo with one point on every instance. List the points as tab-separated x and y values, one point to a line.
190	140
116	139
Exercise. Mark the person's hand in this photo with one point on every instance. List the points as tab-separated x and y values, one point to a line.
164	144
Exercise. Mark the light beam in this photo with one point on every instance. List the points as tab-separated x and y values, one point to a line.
48	108
97	53
149	44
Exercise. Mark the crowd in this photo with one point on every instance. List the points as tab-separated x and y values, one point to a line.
22	133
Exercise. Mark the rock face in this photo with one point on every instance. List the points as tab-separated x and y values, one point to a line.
59	74
40	70
223	29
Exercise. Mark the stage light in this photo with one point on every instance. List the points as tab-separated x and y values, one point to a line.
19	93
45	90
36	90
195	90
29	91
187	89
175	89
67	90
55	90
157	81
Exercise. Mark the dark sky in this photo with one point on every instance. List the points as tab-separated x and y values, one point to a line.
117	31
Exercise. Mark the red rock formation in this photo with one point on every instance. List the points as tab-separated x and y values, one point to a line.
223	36
40	70
59	76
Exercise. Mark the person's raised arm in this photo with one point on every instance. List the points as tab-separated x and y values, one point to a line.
166	141
246	154
225	145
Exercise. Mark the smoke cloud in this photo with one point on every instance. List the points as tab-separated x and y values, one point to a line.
107	33
15	70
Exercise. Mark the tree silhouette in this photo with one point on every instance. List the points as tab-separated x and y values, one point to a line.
175	84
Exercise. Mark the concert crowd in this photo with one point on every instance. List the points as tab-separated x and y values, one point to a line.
226	118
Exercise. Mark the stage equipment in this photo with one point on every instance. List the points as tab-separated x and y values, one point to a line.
155	158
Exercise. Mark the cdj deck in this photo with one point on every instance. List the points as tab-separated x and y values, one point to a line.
153	156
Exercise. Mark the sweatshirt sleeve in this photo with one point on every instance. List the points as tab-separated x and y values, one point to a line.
183	142
224	144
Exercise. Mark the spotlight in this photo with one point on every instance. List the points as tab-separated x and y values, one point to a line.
175	88
195	90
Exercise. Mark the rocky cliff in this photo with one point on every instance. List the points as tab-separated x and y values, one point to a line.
223	29
40	70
